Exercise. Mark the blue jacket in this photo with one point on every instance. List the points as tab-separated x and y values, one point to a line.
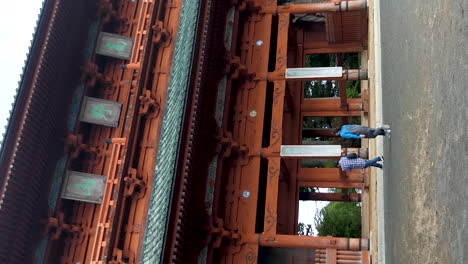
345	133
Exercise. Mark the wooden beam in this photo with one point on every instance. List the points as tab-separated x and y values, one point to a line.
332	113
343	96
334	50
317	132
294	241
320	47
328	175
341	185
329	6
342	85
339	197
276	133
327	104
241	210
331	256
289	100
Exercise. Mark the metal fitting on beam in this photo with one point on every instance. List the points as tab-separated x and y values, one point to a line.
355	74
131	66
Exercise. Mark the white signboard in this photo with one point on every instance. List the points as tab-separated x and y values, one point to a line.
309	73
310	151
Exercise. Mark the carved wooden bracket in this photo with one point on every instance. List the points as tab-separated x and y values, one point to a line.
160	33
74	145
236	69
148	104
122	257
108	13
56	226
217	233
92	75
228	145
134	185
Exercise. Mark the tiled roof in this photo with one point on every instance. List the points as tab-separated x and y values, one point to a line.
165	171
33	144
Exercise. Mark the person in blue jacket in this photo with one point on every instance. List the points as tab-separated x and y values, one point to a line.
358	131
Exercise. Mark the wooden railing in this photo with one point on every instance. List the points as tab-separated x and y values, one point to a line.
333	256
104	218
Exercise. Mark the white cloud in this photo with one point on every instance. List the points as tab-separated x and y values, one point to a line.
17	22
308	210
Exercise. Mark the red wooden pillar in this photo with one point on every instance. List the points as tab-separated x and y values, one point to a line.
316	105
328	175
340	185
276	133
294	241
329	6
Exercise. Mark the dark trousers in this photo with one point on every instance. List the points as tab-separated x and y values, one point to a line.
373	163
374	132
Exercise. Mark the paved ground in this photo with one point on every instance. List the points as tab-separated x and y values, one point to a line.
425	86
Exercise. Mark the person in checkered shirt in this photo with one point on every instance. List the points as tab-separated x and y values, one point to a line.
348	164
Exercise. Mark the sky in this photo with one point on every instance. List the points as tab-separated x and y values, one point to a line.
308	210
17	22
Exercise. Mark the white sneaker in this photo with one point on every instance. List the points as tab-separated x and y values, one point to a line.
388	133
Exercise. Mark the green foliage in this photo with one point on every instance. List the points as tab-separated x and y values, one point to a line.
304	230
321	60
330	163
353	89
308	189
351	60
330	122
339	190
339	219
318	163
322	89
318	122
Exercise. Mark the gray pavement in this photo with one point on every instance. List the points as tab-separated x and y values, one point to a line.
424	89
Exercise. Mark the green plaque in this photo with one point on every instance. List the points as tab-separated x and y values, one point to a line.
84	187
114	45
100	111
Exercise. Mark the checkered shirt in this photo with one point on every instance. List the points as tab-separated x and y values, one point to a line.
349	164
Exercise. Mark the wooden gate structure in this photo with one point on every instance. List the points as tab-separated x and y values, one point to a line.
202	163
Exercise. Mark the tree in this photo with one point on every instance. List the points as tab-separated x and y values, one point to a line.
321	89
304	230
308	189
339	219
